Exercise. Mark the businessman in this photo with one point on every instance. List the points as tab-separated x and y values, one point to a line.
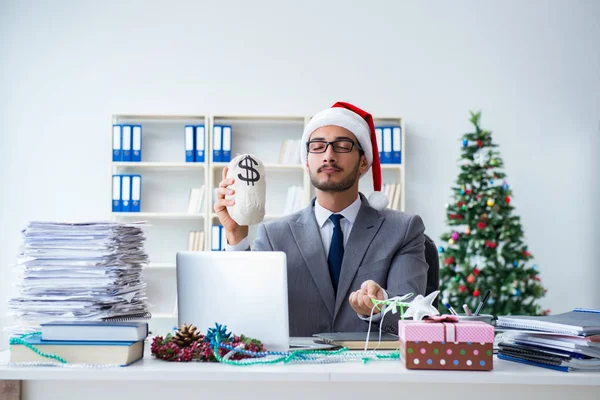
342	250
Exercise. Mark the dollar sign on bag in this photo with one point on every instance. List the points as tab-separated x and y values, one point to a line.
246	163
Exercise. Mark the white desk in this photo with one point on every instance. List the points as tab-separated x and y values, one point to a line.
154	379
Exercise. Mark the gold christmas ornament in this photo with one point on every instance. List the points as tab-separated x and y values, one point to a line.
451	241
490	202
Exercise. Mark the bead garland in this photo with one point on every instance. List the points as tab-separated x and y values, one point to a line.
20	340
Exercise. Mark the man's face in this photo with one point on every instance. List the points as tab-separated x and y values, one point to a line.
333	171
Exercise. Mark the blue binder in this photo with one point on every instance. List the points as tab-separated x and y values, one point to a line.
387	146
200	141
396	145
116	193
136	143
217	141
215	238
125	193
126	143
188	141
223	238
116	143
136	192
379	140
226	145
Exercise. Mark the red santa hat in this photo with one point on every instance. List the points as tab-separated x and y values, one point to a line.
360	123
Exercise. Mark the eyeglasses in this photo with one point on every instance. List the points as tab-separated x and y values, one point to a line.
339	146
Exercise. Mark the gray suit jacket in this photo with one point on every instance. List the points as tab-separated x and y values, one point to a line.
386	246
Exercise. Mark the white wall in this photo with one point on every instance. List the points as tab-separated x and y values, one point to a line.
532	67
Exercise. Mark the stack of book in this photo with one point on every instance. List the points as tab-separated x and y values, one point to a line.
566	342
196	241
393	192
195	201
79	272
92	343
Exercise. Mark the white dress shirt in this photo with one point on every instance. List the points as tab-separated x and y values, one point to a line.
326	229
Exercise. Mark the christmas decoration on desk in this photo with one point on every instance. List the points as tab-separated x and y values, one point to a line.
493	254
219	345
189	345
250	189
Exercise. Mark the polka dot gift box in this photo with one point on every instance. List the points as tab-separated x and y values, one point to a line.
464	345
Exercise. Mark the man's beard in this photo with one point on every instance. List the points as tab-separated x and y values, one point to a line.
341	186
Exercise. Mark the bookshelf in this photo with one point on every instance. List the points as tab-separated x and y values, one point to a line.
167	180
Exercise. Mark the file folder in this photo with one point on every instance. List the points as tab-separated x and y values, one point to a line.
217	140
125	193
387	146
223	238
126	143
136	192
379	139
226	145
136	145
200	141
116	193
215	238
397	145
189	143
116	143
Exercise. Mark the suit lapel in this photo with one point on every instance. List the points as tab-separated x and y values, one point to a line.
308	239
363	231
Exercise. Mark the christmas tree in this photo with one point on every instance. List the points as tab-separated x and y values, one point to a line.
485	249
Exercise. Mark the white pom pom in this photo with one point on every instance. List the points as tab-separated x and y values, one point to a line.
378	200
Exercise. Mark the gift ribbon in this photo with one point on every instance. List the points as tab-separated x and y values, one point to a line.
394	305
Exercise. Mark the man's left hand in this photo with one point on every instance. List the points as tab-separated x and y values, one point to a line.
360	300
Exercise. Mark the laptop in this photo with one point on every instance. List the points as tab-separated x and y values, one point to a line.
245	290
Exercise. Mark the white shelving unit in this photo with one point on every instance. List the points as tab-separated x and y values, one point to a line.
167	180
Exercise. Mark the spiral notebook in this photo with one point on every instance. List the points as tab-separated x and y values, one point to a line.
579	322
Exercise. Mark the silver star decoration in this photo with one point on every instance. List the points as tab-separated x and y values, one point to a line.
422	306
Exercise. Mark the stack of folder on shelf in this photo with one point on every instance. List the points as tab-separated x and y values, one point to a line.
566	342
79	272
94	343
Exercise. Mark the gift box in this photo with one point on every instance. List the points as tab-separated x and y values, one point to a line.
446	345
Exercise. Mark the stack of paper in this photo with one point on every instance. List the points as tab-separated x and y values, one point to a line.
79	271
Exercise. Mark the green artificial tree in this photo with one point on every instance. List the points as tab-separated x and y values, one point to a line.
485	250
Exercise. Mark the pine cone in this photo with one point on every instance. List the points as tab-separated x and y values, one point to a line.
186	335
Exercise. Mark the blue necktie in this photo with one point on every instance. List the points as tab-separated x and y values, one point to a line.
336	250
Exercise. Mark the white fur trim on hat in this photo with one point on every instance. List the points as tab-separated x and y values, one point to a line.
344	118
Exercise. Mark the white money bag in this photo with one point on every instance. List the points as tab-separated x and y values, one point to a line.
250	186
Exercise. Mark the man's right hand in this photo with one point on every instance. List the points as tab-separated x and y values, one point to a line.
235	233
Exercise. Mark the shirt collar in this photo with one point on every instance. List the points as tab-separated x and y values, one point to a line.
322	214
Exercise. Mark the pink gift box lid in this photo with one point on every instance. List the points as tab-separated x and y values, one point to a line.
464	331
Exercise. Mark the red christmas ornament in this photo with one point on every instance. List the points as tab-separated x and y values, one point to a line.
526	253
471	278
460	204
490	244
507	200
449	261
476	293
480	143
481	225
455	216
468	192
478	196
462	288
476	271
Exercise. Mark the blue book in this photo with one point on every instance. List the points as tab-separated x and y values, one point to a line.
78	352
534	363
116	143
105	331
